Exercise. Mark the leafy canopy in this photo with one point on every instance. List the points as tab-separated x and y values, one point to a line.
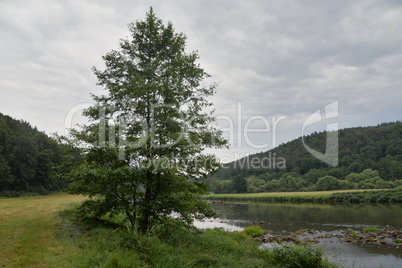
143	148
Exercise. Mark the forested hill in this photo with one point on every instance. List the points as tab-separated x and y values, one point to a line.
369	157
28	158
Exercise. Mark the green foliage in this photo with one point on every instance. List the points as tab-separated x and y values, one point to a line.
382	196
356	177
174	245
288	255
222	186
8	193
313	175
255	185
350	196
355	235
254	231
274	186
369	158
143	148
327	183
371	230
28	159
239	184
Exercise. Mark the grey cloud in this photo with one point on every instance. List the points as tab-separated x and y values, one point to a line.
275	57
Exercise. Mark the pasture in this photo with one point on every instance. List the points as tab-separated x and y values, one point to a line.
29	230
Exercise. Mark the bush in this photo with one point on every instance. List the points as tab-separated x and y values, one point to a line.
9	193
288	255
254	231
383	196
327	183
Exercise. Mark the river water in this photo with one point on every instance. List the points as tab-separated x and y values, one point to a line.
325	218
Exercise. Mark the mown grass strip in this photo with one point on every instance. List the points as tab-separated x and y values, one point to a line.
297	197
28	230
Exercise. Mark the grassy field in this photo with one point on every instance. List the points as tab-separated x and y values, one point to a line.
46	231
317	196
29	230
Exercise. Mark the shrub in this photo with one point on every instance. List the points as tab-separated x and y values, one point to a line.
254	231
8	193
288	255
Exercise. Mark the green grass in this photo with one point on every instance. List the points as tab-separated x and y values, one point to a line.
371	230
318	196
28	230
289	255
172	245
254	231
47	231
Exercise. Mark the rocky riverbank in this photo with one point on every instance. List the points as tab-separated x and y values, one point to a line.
381	235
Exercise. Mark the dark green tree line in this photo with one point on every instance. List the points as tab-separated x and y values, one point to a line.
28	159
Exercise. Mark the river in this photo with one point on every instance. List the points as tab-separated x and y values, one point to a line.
284	218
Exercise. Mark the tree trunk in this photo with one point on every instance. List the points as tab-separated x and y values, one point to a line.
131	218
146	210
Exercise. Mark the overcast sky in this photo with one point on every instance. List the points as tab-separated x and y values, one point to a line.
277	61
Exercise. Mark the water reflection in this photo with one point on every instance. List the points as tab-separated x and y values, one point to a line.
292	217
283	218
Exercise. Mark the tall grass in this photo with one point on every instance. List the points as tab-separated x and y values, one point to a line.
289	255
173	245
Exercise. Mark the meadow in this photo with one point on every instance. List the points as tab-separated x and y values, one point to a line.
47	231
29	229
316	196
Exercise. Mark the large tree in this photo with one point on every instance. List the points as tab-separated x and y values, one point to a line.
144	145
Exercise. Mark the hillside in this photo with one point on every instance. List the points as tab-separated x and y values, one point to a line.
369	157
28	159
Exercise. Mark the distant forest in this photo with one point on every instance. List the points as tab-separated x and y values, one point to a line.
369	158
28	159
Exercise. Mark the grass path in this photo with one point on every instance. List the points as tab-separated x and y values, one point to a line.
28	230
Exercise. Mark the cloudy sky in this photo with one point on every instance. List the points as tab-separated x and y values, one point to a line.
277	62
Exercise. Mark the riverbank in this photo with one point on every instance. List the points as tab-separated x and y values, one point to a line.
324	219
46	231
374	235
345	246
351	196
